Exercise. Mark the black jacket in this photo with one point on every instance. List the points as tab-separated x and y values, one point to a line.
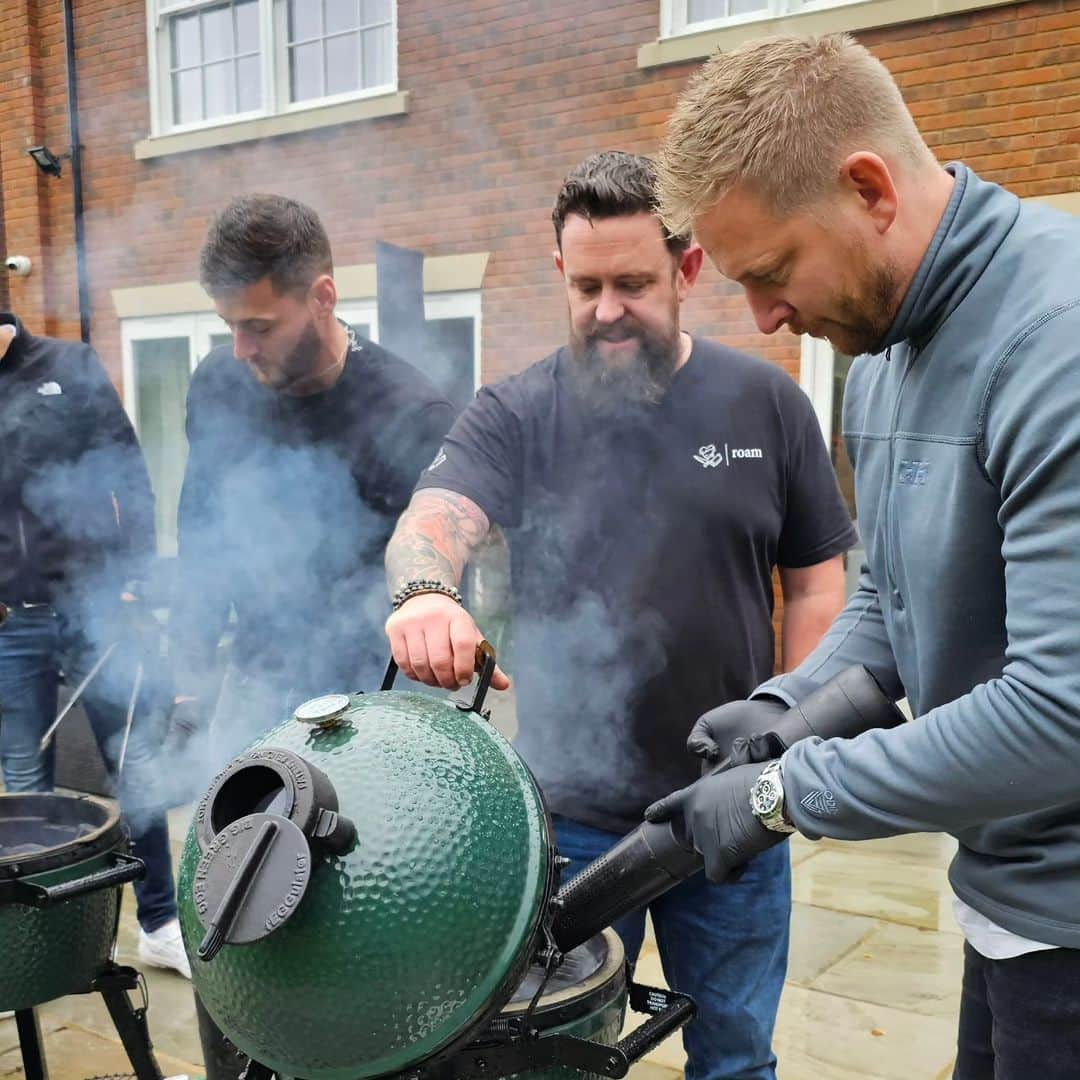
75	497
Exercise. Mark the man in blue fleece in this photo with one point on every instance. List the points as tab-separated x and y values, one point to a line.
806	181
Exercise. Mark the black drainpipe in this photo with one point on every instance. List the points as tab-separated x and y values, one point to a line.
76	172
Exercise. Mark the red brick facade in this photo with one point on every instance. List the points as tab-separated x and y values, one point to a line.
504	98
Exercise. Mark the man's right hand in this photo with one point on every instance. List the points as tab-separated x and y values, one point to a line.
433	640
714	734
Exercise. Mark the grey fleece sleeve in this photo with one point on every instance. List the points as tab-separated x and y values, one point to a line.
1010	745
857	636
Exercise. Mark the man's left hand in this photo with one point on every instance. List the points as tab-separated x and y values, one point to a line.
719	821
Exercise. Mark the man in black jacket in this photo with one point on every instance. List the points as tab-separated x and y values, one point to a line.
77	524
304	445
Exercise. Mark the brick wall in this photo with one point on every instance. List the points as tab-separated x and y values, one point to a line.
504	98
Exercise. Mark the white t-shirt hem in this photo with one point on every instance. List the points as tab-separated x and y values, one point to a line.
990	940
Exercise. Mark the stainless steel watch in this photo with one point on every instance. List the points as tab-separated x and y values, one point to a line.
767	799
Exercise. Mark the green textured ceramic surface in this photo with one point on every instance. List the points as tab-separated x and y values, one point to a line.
46	953
403	943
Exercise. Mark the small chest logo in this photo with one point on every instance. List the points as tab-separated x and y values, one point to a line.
913	472
440	457
712	456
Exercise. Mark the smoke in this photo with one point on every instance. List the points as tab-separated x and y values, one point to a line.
581	673
85	522
289	509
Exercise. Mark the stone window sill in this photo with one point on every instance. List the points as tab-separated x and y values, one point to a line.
867	15
393	104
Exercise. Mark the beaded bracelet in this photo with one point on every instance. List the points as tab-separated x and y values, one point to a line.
424	585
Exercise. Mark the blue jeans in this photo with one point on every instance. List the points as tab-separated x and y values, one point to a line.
34	644
724	945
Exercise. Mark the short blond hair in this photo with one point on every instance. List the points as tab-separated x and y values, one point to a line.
780	114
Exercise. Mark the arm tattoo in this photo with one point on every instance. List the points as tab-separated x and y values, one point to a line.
434	538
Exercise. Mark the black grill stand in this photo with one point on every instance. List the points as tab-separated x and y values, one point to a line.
113	985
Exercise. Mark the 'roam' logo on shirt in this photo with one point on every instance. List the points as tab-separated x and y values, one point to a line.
711	456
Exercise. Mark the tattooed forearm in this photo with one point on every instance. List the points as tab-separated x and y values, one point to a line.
434	538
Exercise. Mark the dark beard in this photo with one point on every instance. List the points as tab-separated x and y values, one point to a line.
300	362
635	386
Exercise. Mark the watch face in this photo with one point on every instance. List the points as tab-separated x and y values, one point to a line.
766	796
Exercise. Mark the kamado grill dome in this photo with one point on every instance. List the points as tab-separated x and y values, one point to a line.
373	936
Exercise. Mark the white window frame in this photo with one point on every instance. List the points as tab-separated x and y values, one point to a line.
199	327
673	18
458	305
196	327
359	311
273	34
465	304
817	362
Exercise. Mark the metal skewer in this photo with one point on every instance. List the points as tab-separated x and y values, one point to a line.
47	737
130	718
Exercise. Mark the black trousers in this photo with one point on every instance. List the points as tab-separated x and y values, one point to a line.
1020	1018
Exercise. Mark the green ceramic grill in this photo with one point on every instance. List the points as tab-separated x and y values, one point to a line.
365	889
62	862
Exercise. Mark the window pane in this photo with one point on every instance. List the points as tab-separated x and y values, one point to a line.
220	339
341	15
184	31
218	33
305	19
305	71
161	378
376	11
187	96
220	92
448	361
342	63
247	26
376	67
248	74
746	7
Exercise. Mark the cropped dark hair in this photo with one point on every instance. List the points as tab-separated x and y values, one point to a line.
258	236
612	184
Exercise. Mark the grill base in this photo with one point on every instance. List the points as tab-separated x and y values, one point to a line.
113	985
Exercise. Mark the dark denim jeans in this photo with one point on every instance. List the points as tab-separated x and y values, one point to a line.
724	945
34	645
1020	1018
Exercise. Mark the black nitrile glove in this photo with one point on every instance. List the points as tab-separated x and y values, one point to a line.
718	819
713	735
758	748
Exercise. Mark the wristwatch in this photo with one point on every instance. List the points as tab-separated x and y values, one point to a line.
767	799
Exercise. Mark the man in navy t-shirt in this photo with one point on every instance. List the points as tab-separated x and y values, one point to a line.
648	482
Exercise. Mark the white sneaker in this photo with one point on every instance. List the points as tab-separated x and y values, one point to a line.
164	948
